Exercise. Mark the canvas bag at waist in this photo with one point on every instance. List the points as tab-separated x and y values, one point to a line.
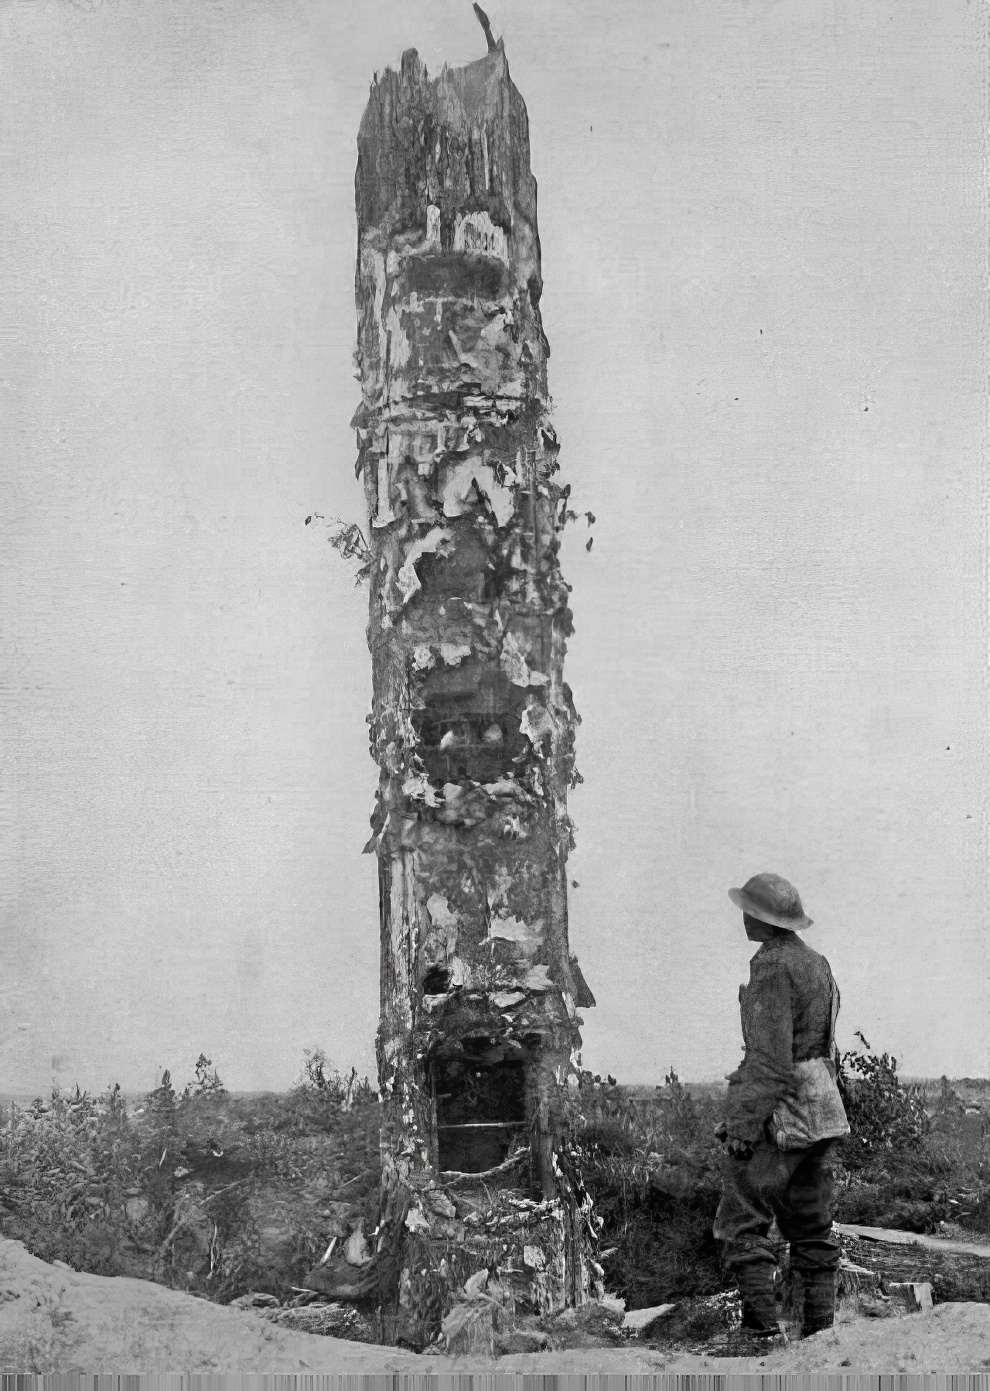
811	1109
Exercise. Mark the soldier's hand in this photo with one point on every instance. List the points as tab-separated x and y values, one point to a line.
739	1149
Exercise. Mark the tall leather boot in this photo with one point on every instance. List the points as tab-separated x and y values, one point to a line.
818	1312
759	1311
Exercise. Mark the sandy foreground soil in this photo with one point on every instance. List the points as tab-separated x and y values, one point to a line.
54	1319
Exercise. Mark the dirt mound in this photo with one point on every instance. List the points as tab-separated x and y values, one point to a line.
55	1319
949	1338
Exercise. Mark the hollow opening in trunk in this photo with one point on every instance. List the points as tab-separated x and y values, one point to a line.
436	981
469	726
481	1112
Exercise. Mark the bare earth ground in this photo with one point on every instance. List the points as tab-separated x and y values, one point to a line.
55	1319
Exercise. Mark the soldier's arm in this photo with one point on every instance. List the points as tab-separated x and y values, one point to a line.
766	1073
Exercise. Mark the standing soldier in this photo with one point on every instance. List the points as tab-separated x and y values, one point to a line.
783	1114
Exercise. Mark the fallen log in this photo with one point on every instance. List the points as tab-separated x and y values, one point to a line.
889	1237
956	1270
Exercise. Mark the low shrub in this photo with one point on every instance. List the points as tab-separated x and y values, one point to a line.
653	1170
883	1114
200	1190
917	1156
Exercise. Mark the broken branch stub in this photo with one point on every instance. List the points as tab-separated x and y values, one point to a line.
472	725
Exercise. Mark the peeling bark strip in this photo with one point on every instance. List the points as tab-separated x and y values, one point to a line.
472	724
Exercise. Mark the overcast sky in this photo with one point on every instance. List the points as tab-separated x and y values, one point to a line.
764	238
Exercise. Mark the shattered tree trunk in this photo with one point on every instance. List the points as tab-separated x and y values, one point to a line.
472	724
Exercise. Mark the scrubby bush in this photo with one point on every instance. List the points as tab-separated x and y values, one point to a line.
321	1077
883	1113
653	1170
207	1081
916	1159
69	1167
199	1190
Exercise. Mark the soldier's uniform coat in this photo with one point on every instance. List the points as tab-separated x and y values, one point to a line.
787	1012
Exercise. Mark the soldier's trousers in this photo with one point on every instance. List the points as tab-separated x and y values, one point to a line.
795	1186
